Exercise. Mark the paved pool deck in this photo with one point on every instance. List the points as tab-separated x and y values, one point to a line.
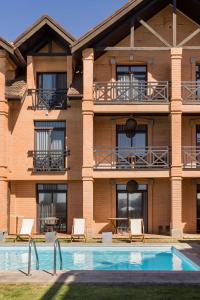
191	250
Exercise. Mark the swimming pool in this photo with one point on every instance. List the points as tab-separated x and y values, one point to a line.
100	258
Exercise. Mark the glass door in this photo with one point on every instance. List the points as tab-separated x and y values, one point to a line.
198	81
50	145
131	206
131	81
52	203
131	149
51	88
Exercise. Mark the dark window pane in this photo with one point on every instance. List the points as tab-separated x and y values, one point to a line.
50	124
138	69
52	81
52	203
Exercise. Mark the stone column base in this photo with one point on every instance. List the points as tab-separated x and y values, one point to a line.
176	233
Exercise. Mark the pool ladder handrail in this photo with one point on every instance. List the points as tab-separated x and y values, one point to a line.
31	244
57	246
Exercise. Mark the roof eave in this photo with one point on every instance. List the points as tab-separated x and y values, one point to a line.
105	24
38	25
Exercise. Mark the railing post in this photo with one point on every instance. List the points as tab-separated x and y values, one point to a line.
29	257
57	245
32	243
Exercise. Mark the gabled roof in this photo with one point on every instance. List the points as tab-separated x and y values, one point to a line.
41	22
117	26
108	22
44	30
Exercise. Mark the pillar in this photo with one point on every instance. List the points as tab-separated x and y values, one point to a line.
69	71
176	143
88	120
3	146
30	73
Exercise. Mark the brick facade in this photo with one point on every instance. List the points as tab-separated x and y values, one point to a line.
91	194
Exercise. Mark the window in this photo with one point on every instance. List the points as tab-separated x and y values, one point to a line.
52	207
131	82
198	81
131	205
52	81
52	90
49	146
132	150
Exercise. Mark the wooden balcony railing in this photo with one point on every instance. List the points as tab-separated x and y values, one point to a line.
190	92
48	99
132	158
49	161
131	92
191	157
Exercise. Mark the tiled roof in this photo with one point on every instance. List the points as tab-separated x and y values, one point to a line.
15	89
76	88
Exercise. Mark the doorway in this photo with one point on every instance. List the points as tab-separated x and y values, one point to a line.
52	203
132	206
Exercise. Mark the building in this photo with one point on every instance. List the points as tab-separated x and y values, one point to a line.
79	119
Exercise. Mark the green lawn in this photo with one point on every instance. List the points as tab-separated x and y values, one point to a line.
29	292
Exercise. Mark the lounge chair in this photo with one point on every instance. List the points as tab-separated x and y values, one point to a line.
78	229
136	229
26	229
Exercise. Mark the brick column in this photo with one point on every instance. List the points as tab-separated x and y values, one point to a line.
176	144
88	116
3	145
30	73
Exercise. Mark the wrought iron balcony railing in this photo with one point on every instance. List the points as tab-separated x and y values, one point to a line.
132	158
49	161
131	92
190	92
191	157
43	99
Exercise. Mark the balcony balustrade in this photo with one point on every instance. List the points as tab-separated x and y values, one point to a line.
131	92
132	158
191	157
49	161
191	92
51	99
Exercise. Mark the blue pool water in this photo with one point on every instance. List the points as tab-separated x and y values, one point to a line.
100	258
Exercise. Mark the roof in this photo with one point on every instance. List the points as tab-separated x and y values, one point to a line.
41	22
76	88
106	23
15	89
6	46
117	26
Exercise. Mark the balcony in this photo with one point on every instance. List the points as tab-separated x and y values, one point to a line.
48	99
131	92
190	92
132	158
49	161
191	157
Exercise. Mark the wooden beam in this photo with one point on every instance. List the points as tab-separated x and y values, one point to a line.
191	47
132	36
174	23
189	37
156	34
20	57
132	48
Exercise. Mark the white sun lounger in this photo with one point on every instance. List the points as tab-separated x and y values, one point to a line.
78	229
136	228
26	228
